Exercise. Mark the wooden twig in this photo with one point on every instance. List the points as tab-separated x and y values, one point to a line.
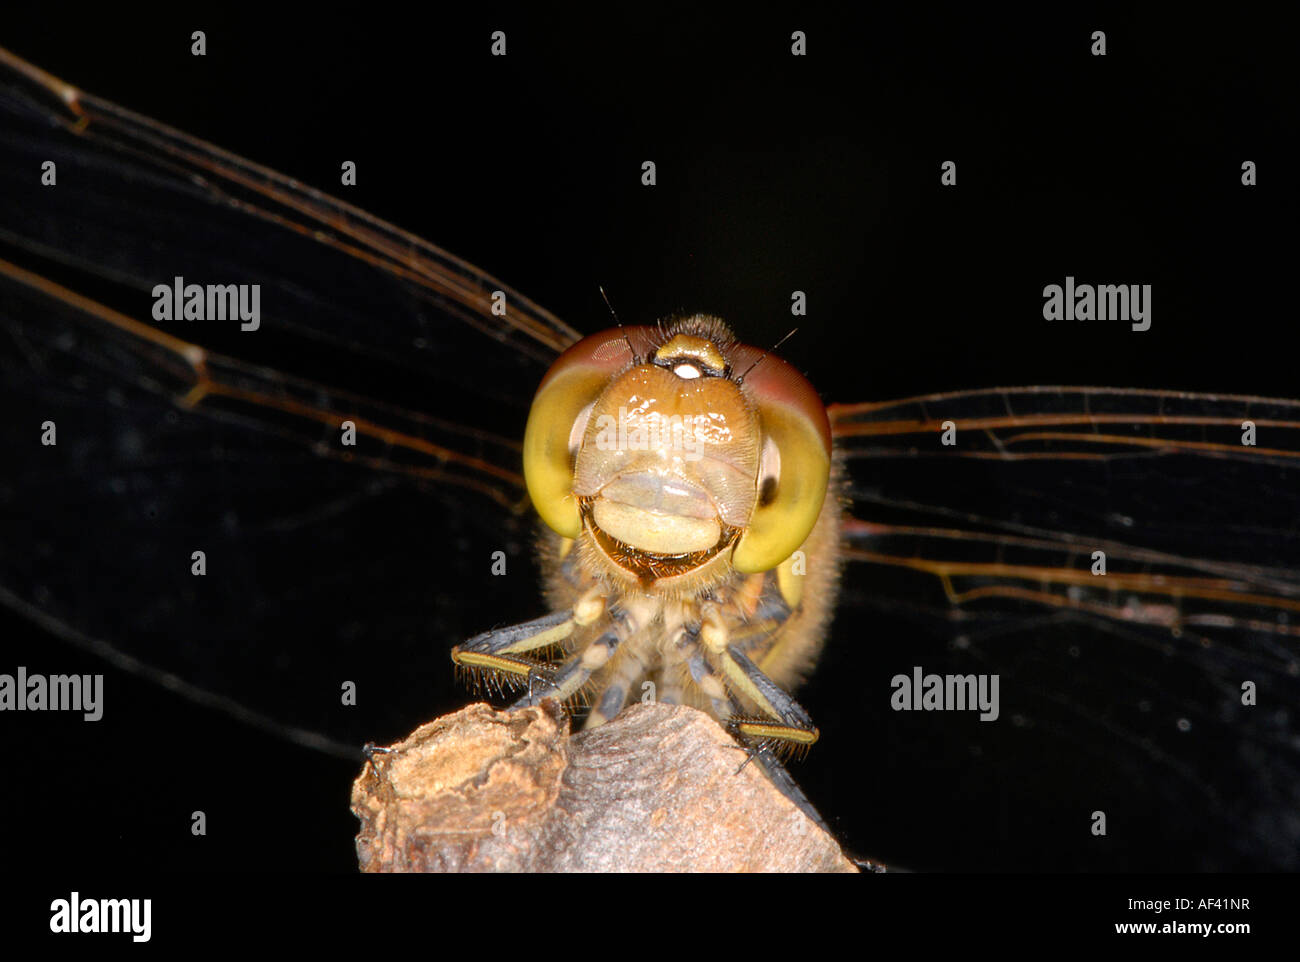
659	789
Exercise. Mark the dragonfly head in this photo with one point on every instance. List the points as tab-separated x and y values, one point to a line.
677	448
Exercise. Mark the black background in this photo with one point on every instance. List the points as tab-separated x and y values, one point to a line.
775	174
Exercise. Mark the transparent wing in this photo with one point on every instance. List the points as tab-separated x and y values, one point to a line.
327	561
141	160
1130	567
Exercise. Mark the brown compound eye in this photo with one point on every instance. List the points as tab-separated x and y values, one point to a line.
796	460
558	418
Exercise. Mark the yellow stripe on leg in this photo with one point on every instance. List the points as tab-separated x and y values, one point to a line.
787	733
477	659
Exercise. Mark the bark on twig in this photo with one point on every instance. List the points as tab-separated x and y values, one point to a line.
655	790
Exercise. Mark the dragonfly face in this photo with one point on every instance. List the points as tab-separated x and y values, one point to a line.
330	564
687	482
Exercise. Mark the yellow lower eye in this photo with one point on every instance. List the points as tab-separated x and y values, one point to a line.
548	467
782	524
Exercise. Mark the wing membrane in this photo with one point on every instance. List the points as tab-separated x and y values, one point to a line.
329	561
168	161
1081	423
1150	478
193	378
1123	683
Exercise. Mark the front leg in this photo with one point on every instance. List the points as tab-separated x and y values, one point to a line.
569	680
781	722
502	657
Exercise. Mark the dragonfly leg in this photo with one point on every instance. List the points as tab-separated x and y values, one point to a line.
613	696
370	751
502	655
786	785
704	674
781	722
569	679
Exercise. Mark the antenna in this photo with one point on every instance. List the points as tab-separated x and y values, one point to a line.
614	314
741	379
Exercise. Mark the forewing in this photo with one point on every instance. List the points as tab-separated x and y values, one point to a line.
203	517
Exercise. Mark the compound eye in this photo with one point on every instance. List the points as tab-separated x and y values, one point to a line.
563	400
796	462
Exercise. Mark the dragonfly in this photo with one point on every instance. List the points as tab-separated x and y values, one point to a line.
1124	559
